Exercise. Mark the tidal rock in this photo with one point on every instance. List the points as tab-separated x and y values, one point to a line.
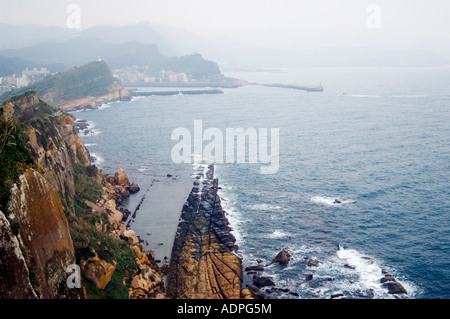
309	277
134	188
254	268
349	266
394	287
313	263
386	279
337	295
263	282
282	258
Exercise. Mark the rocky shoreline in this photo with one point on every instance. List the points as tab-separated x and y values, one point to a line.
147	281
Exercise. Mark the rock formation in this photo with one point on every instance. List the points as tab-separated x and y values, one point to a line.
98	271
14	274
45	233
203	263
282	258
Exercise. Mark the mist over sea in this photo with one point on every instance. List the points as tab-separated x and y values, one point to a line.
376	139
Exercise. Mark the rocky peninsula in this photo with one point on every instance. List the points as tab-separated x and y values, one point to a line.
203	264
85	87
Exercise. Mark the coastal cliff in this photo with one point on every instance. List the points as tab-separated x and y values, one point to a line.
58	211
203	264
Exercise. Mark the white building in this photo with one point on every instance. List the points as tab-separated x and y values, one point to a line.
22	81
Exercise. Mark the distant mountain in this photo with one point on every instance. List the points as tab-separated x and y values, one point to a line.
227	52
9	66
13	36
232	54
133	33
78	51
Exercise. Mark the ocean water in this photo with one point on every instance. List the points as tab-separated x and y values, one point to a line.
376	139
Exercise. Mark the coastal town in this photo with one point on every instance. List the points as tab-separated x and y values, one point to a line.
27	77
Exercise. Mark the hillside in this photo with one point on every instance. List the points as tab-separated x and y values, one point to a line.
87	86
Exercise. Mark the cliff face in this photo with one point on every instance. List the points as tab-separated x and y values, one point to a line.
14	274
44	231
56	147
36	240
52	140
203	264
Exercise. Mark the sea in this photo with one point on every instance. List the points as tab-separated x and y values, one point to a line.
363	184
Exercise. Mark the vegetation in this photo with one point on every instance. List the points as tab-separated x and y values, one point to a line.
15	157
92	79
87	239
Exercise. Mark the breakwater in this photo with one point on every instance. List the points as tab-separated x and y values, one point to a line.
177	92
308	88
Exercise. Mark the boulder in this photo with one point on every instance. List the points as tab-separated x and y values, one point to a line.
386	279
144	284
121	178
394	287
97	271
130	237
134	188
282	258
263	282
114	216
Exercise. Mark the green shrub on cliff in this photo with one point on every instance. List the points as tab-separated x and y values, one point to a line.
14	157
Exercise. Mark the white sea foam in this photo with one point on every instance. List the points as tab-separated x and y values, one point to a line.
264	207
330	201
278	234
137	98
368	272
104	106
96	159
360	95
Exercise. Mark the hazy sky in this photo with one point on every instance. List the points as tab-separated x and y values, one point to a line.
283	24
